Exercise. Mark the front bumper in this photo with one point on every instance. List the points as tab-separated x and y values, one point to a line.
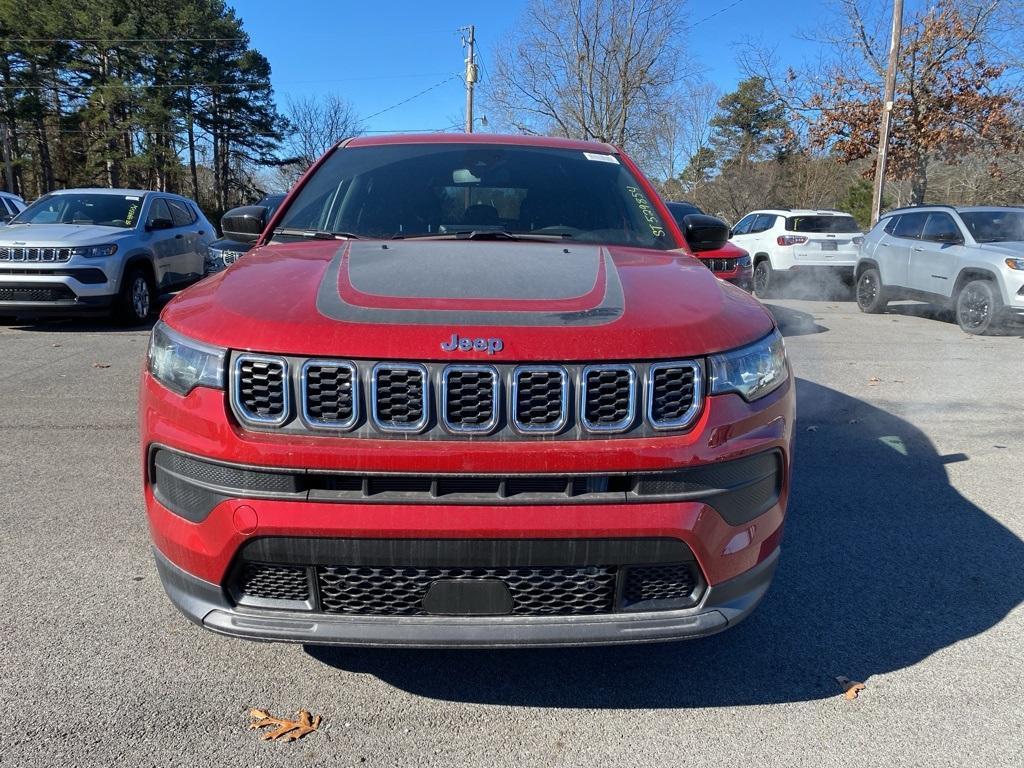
197	556
33	288
722	606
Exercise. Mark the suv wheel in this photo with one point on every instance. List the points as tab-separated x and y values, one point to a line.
135	301
764	279
871	296
978	307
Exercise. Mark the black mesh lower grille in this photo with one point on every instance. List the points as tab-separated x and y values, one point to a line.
396	591
261	388
672	393
43	293
329	393
659	582
274	582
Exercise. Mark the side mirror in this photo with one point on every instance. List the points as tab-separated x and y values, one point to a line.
156	224
244	224
704	233
949	238
5	218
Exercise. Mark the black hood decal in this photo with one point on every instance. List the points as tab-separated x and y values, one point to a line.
470	283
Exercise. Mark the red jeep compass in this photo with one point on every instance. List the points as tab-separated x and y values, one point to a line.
467	391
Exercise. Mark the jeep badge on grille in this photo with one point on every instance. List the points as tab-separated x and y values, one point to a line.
490	346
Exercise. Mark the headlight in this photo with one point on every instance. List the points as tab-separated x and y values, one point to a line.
743	261
751	371
1015	263
181	364
214	261
95	251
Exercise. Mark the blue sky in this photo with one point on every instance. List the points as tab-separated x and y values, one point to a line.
378	54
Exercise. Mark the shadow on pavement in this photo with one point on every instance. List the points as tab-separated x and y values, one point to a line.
883	564
793	322
944	314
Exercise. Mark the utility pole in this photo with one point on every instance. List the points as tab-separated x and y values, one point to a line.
471	73
887	105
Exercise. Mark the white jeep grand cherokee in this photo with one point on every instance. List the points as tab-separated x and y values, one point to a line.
970	259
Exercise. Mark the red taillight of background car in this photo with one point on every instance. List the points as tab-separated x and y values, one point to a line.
790	239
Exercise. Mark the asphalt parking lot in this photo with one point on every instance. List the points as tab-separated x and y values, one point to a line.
901	568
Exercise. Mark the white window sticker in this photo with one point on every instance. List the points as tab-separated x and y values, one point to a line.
131	197
601	158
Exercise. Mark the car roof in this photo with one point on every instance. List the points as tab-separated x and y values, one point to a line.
513	140
955	208
801	212
115	191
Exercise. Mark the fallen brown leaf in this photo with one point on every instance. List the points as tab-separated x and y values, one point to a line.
101	365
851	687
285	730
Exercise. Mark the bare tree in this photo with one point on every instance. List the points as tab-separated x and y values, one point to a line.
678	134
316	123
590	69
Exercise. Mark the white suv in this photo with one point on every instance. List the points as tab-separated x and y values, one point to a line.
971	259
784	242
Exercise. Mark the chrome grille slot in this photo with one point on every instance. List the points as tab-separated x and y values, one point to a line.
35	254
469	398
261	391
399	396
607	397
330	394
674	392
540	397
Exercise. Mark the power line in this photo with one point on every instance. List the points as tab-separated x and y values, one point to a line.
260	83
456	76
719	12
122	40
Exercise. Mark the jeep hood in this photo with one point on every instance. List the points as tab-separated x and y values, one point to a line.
60	235
1013	249
403	299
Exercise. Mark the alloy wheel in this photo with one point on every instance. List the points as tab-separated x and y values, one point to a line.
975	306
867	290
140	297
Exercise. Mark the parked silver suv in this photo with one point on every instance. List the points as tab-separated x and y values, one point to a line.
108	250
971	259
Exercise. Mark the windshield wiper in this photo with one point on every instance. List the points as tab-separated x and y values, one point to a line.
316	234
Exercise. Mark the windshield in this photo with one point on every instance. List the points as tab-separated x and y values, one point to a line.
995	226
95	209
444	190
821	224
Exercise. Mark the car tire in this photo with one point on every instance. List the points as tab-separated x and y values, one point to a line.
765	279
978	307
134	303
871	294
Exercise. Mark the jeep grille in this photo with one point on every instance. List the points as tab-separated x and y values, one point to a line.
435	400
